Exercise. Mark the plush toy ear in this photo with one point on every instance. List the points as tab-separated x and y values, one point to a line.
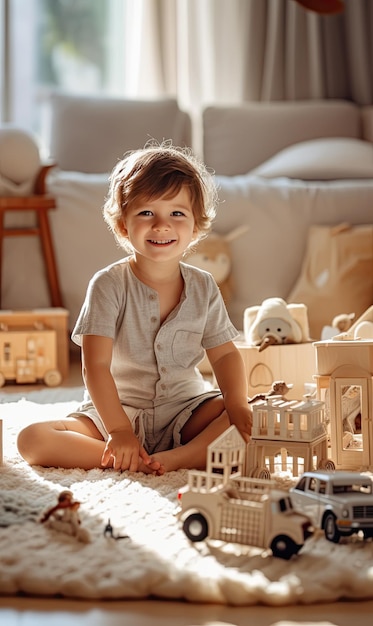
248	319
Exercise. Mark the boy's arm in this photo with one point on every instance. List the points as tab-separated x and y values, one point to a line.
229	370
122	445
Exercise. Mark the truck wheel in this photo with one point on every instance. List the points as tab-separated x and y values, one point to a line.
52	378
330	529
195	527
283	547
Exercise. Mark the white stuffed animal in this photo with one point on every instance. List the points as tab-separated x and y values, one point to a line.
275	322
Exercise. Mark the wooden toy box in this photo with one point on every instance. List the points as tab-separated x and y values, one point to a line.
293	363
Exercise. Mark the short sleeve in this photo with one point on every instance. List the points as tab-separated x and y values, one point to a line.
102	306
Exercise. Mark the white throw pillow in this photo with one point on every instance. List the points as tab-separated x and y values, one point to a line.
321	159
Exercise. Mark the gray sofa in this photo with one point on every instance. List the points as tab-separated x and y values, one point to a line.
278	194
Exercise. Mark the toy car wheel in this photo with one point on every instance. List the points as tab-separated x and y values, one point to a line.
195	527
330	528
283	547
2	380
52	378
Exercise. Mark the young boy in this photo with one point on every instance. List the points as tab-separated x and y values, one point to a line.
146	323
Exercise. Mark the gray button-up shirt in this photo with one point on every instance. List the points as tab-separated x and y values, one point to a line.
154	364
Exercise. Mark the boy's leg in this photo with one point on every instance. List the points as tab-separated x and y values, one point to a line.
206	423
70	442
202	416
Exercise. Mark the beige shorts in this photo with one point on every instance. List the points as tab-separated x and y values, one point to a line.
157	429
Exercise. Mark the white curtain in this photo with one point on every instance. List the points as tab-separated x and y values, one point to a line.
205	51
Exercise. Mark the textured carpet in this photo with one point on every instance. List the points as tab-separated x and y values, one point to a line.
156	559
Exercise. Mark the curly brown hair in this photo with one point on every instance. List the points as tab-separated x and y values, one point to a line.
159	171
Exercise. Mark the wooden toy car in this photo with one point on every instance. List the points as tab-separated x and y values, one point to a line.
28	354
338	502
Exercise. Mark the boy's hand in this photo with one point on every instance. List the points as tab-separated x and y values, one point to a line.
242	418
125	450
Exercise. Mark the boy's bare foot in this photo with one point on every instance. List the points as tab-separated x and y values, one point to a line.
178	458
154	467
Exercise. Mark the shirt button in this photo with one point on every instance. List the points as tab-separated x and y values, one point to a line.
163	370
163	387
159	347
152	296
153	319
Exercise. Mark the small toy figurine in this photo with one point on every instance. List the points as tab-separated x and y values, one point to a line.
278	388
64	517
343	322
109	531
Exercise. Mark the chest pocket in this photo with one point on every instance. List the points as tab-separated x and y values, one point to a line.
187	350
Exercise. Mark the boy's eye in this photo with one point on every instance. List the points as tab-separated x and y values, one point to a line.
146	212
177	213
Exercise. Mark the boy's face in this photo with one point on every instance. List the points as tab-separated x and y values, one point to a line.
161	229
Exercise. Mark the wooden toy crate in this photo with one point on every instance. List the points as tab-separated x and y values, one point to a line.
294	363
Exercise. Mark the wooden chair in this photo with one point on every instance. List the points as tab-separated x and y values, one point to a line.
40	202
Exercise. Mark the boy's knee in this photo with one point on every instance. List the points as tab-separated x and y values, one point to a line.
29	442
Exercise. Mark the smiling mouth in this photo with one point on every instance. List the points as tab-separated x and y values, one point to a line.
163	242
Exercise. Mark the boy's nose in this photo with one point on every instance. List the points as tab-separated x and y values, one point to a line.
160	225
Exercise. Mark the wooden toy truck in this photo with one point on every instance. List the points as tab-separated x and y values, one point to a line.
28	354
222	504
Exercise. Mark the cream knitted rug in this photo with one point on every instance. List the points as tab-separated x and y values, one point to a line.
156	559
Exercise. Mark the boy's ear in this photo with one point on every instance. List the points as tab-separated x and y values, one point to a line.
122	228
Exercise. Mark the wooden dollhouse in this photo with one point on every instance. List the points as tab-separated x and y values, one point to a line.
344	378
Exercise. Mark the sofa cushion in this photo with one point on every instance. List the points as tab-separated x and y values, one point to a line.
89	134
267	259
321	159
238	138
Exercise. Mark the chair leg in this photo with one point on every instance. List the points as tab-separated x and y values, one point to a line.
49	259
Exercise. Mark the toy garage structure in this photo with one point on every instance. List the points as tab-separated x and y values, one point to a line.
287	435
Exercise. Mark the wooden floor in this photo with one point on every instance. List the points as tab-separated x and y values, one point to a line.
51	612
21	611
